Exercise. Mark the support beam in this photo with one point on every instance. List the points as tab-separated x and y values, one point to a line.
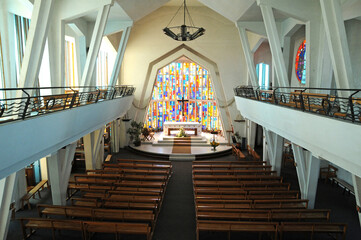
337	42
115	135
20	188
357	186
35	43
93	144
59	173
249	56
251	133
275	45
308	170
95	43
274	149
315	39
7	185
119	58
122	135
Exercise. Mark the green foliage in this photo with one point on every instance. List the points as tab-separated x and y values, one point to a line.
134	131
182	133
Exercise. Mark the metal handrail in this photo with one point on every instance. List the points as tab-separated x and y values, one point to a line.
307	99
26	106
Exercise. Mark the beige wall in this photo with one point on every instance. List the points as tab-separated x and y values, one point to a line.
220	45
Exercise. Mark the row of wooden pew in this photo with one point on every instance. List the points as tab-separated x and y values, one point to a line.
122	198
249	198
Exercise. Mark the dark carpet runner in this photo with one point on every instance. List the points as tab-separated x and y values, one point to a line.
182	145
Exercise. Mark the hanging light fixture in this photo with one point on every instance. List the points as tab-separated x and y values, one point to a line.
184	32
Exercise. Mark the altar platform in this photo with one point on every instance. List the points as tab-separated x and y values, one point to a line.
183	149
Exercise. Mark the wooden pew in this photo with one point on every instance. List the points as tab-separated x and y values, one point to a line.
245	162
159	190
235	172
116	228
97	213
276	215
163	162
137	166
230	226
313	229
31	194
238	177
131	171
231	166
52	224
262	184
280	203
142	184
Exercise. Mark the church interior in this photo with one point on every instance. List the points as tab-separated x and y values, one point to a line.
180	119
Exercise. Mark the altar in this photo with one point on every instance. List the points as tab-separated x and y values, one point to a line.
188	126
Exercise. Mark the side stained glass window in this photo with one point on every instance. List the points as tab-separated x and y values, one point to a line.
191	82
300	65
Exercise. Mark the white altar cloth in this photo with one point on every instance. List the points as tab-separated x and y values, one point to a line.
168	126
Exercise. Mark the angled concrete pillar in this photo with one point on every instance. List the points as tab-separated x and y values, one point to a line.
248	55
122	135
356	180
44	169
265	147
275	45
308	170
7	185
115	129
251	133
274	149
95	43
337	42
35	43
120	55
59	164
93	146
20	188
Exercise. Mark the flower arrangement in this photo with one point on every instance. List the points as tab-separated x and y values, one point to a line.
214	144
134	131
182	133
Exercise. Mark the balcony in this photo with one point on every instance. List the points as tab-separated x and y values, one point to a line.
36	126
323	123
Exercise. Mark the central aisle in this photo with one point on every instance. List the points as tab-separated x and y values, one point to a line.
177	216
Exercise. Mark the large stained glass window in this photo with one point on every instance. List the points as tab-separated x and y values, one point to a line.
301	63
183	79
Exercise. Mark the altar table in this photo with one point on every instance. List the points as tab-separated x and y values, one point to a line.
169	126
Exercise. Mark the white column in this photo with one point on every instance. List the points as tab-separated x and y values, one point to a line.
122	135
59	173
337	42
265	147
248	55
274	149
120	55
115	136
92	146
20	188
35	43
356	180
8	48
7	185
314	52
275	45
95	43
251	133
56	45
44	169
308	170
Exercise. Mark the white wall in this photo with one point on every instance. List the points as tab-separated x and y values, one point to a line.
353	32
221	44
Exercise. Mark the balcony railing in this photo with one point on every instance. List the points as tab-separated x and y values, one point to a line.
34	104
344	104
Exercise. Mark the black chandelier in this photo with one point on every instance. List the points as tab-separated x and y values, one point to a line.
184	32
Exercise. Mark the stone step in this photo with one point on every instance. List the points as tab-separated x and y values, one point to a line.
181	144
172	137
183	141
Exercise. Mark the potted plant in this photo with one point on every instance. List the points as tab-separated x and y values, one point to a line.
182	133
238	140
134	131
214	144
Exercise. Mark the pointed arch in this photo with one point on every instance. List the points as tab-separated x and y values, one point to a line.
167	58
